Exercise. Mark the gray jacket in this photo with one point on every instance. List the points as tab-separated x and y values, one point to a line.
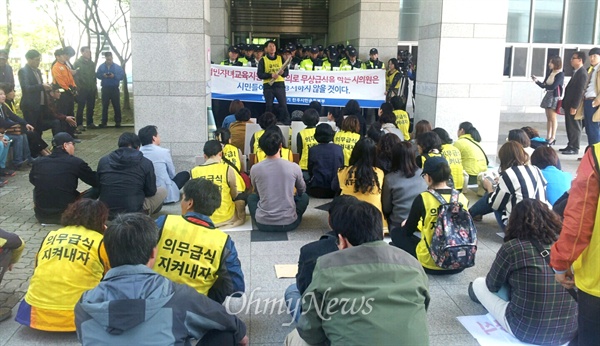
397	195
133	305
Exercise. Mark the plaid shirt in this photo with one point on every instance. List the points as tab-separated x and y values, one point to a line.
540	310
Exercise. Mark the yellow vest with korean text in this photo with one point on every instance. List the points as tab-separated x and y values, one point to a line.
190	252
452	155
346	140
285	153
403	122
217	173
585	267
256	136
427	225
273	66
71	260
232	154
308	141
473	158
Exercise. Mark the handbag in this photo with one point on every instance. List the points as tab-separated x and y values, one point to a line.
546	256
559	107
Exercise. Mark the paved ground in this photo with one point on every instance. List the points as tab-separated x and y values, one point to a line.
449	294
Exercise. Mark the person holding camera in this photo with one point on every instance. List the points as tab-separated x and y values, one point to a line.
111	75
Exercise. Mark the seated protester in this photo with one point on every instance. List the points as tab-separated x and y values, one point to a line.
374	132
309	254
384	151
127	179
234	106
136	305
4	149
164	169
429	145
352	107
11	248
452	155
230	152
520	136
220	271
402	118
534	137
15	129
55	179
70	261
472	155
558	182
274	208
387	118
517	182
324	161
306	138
231	211
421	126
365	266
348	136
423	216
335	115
316	105
401	186
284	153
520	290
265	120
361	179
238	128
54	119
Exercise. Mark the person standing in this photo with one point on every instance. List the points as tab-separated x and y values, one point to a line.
571	101
576	253
111	75
233	54
34	100
589	108
6	71
373	62
86	88
553	84
269	68
352	63
63	76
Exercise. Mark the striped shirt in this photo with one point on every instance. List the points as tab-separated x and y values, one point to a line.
516	184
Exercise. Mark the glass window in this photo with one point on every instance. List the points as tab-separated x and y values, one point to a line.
517	29
538	62
520	62
409	20
547	22
580	21
567	68
507	61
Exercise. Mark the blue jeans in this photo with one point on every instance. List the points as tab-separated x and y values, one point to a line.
3	154
21	151
482	207
301	205
592	129
293	300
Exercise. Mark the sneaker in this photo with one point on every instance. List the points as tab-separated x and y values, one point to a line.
92	126
565	148
570	152
7	172
5	314
472	293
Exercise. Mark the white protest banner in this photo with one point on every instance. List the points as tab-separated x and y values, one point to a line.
331	88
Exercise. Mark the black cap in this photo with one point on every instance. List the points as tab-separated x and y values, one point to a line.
331	47
373	51
314	49
320	47
250	47
352	51
594	50
340	46
62	138
333	54
234	49
299	46
433	164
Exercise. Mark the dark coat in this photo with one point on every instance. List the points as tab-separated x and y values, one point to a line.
30	101
574	90
309	254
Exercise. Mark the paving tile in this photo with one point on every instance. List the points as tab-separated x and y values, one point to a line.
263	272
270	321
452	340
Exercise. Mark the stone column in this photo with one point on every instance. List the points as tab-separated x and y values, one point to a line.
461	50
171	71
220	30
366	24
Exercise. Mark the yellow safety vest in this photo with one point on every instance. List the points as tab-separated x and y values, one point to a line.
427	225
403	123
273	66
346	140
452	155
232	154
424	157
71	260
217	173
586	266
473	158
389	78
190	253
285	154
308	141
257	136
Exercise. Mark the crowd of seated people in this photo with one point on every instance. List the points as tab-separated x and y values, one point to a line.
378	184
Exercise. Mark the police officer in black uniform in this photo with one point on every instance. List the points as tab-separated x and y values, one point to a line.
233	53
374	62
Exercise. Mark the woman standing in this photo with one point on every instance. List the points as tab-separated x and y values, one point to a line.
553	84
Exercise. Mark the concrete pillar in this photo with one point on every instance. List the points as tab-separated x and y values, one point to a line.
171	70
220	31
461	51
366	24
